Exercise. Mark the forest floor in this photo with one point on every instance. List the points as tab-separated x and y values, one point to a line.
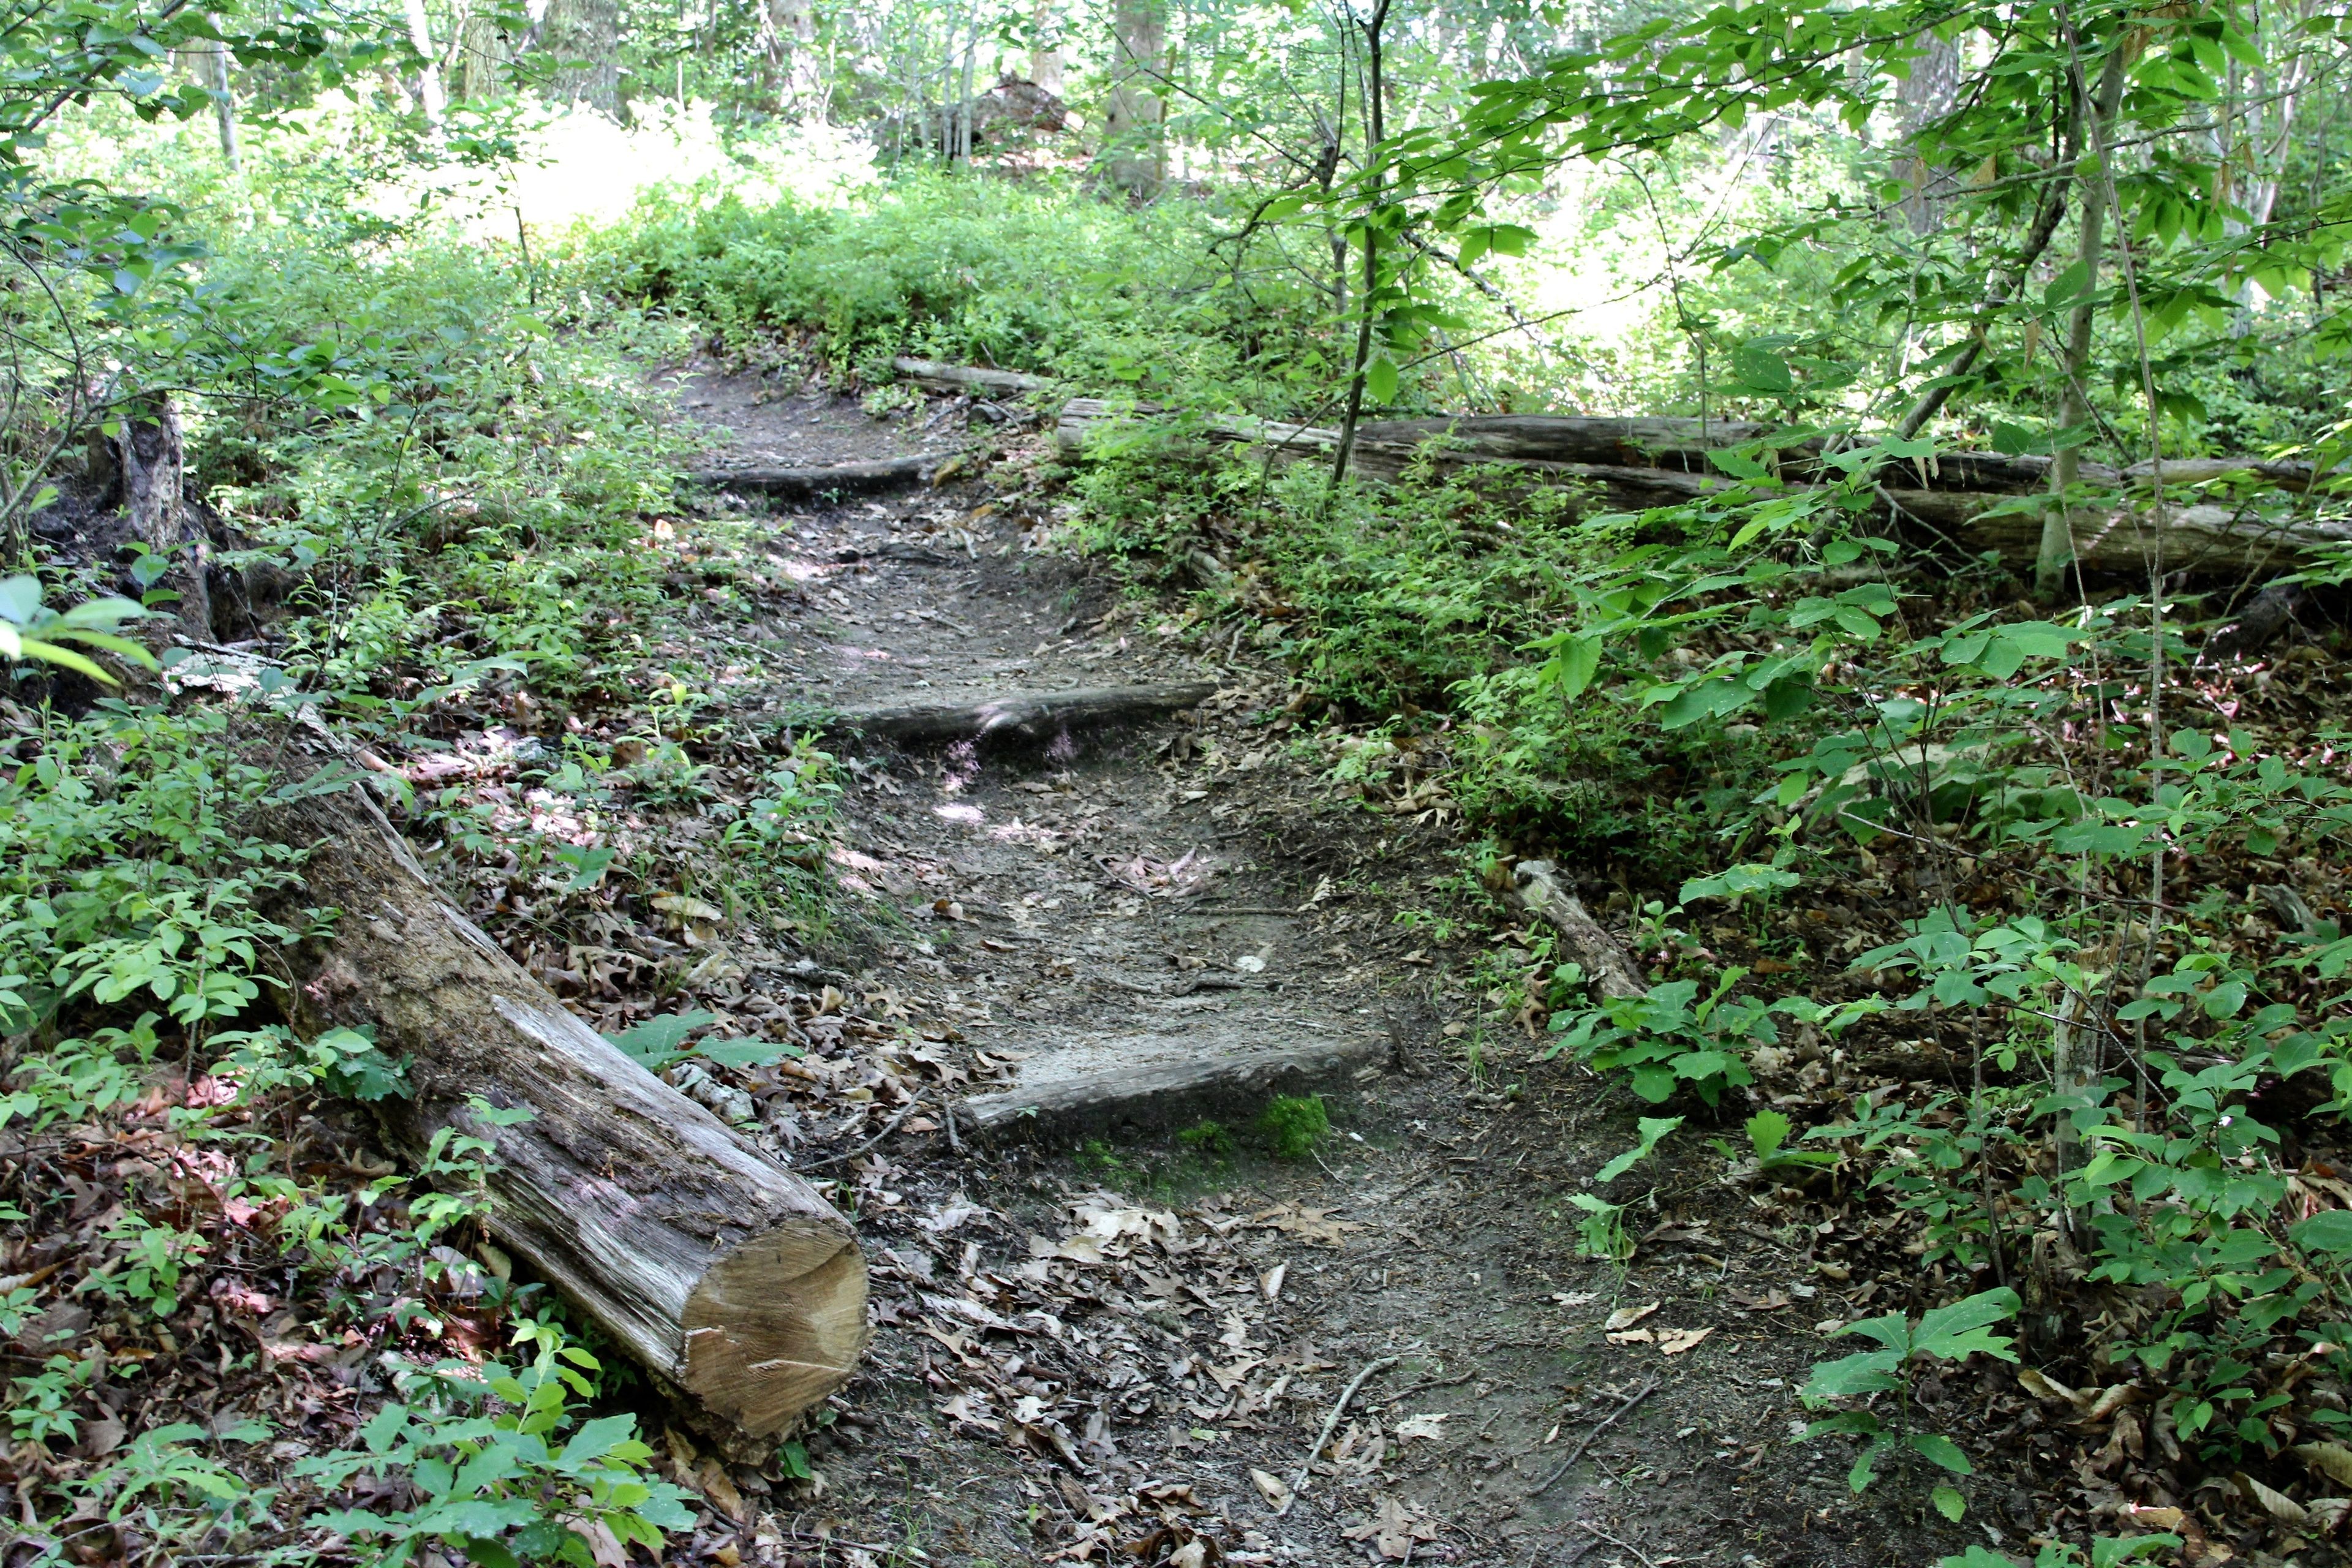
1109	1342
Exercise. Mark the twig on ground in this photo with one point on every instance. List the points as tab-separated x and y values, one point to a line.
1429	1382
888	1128
1621	1545
1568	1464
1299	1483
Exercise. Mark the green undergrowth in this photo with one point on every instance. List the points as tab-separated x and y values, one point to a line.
1040	276
448	525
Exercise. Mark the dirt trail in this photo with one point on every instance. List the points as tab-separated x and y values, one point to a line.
1104	1339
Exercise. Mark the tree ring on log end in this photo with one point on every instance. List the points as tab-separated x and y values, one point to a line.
776	1325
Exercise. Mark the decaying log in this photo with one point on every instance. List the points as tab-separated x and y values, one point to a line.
2258	624
150	459
832	479
1612	970
2201	539
726	1275
947	377
1034	717
1972	498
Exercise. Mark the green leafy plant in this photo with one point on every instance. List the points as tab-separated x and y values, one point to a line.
504	1469
31	630
2107	1551
1768	1138
1670	1037
1950	1333
1653	1132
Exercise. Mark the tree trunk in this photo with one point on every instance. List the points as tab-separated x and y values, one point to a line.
430	94
788	40
151	460
585	37
1134	154
724	1274
2057	550
1045	48
937	375
1926	97
1375	139
224	105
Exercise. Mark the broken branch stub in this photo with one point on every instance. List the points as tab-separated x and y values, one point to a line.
725	1274
1613	973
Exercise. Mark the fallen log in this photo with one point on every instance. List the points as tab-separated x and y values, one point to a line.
2203	540
1034	716
823	480
1610	968
944	377
727	1276
1972	498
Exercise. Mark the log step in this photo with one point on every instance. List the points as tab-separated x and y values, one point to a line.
1166	1076
1035	716
831	478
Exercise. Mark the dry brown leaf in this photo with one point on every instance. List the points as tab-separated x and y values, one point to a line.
712	1479
1674	1342
2107	1401
2333	1460
1276	1495
1429	1428
1626	1317
1634	1337
1393	1530
1270	1282
2277	1504
2044	1386
2147	1517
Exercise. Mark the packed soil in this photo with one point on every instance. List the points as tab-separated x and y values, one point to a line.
1122	1342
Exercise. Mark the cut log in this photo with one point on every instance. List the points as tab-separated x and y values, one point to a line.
1611	968
728	1277
832	479
947	377
1035	717
1969	498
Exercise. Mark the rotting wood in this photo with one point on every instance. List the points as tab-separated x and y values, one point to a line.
151	458
945	377
1974	499
1032	717
1612	969
727	1276
824	479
